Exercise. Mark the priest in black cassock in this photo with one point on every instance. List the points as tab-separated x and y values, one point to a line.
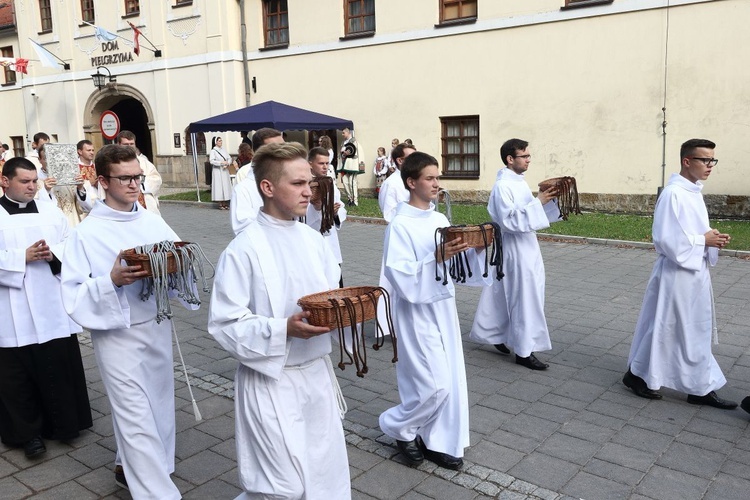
42	383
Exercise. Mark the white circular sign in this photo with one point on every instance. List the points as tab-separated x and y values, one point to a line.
109	124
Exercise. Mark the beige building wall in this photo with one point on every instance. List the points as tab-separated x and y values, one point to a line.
198	75
586	87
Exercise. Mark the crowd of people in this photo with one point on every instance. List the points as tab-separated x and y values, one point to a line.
288	404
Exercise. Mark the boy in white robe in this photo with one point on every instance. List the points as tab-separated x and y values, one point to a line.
133	351
672	342
510	313
290	441
246	200
432	420
319	163
392	191
152	180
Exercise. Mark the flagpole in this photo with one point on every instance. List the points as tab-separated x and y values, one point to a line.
63	63
154	50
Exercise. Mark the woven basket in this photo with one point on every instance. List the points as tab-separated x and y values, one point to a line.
471	235
553	182
140	259
323	312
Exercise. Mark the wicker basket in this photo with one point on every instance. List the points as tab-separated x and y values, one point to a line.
323	312
141	259
554	182
471	235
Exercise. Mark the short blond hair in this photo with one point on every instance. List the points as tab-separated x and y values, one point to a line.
269	160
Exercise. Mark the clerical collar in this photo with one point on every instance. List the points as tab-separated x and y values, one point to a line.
20	205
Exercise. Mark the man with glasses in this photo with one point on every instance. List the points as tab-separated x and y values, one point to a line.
510	314
151	183
133	350
672	342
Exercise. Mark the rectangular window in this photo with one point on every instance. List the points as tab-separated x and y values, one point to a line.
360	16
276	22
454	10
18	146
132	7
460	146
10	76
45	14
87	10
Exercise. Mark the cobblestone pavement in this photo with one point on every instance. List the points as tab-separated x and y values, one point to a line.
572	431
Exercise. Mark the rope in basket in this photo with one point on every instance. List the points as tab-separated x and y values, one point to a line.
567	194
459	267
346	311
188	258
322	190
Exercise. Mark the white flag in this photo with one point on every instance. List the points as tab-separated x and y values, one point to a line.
45	56
104	36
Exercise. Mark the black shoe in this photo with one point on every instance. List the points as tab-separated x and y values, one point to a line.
120	477
443	459
745	405
34	448
531	362
411	452
639	387
711	399
502	348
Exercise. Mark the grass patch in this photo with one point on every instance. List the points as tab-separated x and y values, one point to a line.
590	225
188	196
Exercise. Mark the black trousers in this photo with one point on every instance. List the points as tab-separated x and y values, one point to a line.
43	392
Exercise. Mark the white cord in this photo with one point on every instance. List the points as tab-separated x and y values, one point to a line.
196	411
340	401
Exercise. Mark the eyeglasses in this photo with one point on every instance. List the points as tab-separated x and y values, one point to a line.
525	157
709	162
125	180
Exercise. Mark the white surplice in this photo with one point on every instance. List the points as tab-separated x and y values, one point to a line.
290	441
672	342
430	369
151	184
511	311
245	203
133	351
29	292
314	219
392	192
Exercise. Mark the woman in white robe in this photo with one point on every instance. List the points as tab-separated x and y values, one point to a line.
221	182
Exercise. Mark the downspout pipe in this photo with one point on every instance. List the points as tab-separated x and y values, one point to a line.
243	42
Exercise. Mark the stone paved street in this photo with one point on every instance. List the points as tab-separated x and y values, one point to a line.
572	431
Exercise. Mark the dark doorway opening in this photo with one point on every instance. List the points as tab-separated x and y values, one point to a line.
133	117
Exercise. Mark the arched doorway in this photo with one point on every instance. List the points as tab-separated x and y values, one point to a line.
133	110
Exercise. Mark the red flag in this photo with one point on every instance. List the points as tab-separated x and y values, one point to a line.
21	65
136	42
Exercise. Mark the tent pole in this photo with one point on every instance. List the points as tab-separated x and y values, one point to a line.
195	165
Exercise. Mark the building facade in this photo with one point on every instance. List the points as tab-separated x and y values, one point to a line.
604	90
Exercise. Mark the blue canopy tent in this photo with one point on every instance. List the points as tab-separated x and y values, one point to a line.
266	114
